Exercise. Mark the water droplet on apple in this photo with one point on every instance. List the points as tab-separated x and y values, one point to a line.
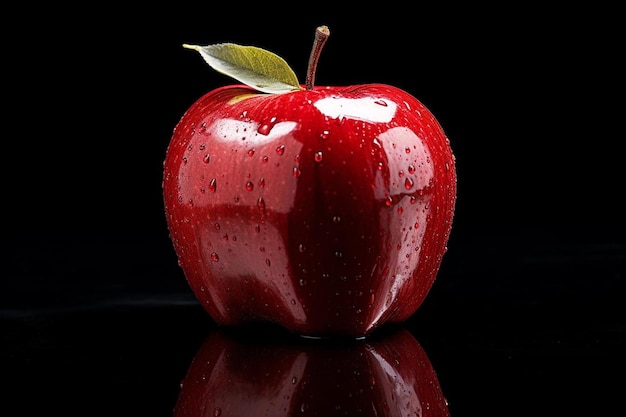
301	248
400	210
280	150
217	412
251	152
324	134
249	186
266	127
296	172
215	257
261	204
302	282
389	201
381	102
206	158
407	150
336	219
262	182
213	185
268	262
318	156
411	169
408	183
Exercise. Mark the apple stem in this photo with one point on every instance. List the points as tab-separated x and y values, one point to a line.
321	35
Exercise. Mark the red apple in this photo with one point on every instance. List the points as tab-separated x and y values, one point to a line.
388	376
326	210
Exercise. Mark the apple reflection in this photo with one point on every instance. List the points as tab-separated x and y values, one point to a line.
234	374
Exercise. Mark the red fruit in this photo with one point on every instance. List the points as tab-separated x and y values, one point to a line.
391	376
326	210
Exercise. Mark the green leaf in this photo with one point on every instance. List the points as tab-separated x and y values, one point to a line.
255	67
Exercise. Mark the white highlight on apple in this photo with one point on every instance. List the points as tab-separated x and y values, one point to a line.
415	213
366	108
403	138
223	130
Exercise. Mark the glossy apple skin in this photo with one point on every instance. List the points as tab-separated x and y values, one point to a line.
326	211
232	375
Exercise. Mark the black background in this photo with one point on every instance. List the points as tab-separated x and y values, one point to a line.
527	314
